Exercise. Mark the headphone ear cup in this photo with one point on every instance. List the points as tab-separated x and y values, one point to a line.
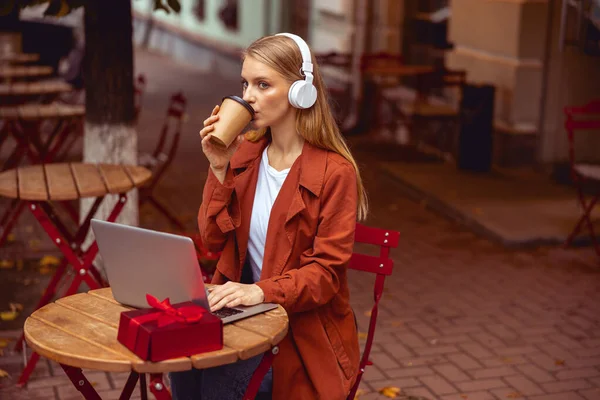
302	94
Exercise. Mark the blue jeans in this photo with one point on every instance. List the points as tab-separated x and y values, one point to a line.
227	382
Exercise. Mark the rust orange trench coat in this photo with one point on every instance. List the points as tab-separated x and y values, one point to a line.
309	241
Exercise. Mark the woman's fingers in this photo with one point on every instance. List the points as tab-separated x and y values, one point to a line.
210	120
215	110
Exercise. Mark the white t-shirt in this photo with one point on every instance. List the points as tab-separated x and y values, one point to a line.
267	188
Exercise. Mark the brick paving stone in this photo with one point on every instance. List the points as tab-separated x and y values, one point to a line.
476	350
397	382
508	393
433	350
578	373
564	386
411	340
559	396
383	361
406	372
511	351
591	394
463	361
524	385
497	372
487	340
451	372
372	372
535	373
470	396
421	391
588	352
481	384
398	350
438	385
454	339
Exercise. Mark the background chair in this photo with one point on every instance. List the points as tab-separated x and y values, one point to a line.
585	172
161	158
139	89
432	117
381	266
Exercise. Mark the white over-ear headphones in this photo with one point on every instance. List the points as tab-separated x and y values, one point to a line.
302	94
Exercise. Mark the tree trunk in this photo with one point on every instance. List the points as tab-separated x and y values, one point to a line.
110	135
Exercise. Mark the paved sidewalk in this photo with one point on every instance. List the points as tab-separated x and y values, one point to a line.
461	318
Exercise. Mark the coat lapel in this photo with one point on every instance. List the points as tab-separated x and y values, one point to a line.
304	179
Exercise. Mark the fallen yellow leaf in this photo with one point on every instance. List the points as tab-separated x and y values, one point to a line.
464	396
34	244
359	393
396	323
8	315
514	395
48	261
6	264
367	313
3	374
11	237
390	391
362	335
559	362
4	342
45	269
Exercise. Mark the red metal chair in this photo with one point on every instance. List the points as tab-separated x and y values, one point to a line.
139	88
162	156
381	266
578	119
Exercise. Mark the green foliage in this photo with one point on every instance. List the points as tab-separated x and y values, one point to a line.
59	8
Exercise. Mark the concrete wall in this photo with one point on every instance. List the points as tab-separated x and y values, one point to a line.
503	42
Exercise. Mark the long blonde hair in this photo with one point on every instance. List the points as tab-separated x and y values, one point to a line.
316	124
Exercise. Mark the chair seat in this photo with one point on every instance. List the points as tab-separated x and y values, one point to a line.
589	171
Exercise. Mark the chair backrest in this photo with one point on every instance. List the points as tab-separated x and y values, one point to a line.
579	119
164	154
381	266
435	83
139	88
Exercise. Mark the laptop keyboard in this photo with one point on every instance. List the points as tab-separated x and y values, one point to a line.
226	312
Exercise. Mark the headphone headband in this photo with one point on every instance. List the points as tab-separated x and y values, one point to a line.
307	65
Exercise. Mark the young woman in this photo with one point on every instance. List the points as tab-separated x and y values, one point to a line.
281	205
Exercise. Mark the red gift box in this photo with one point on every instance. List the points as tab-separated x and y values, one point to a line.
170	331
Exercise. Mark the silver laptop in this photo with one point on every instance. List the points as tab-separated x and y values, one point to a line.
139	261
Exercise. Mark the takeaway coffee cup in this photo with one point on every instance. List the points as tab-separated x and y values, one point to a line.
234	114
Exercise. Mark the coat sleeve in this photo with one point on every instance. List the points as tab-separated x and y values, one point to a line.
219	212
317	280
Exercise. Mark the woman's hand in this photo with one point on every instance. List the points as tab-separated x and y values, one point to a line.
217	156
233	294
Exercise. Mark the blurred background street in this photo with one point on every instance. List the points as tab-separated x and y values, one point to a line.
485	301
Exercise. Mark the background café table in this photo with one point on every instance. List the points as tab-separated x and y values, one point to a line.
24	124
18	58
80	331
12	73
42	91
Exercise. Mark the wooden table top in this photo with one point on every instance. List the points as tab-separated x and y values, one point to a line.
70	181
34	88
19	57
11	71
81	331
398	70
41	111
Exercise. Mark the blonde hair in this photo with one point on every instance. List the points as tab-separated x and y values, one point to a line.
316	124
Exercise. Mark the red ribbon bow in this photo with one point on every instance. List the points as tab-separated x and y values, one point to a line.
170	315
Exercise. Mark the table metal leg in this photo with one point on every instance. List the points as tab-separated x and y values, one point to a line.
143	387
81	383
9	219
158	388
33	359
82	262
130	385
259	373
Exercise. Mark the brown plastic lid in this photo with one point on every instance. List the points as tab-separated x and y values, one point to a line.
242	102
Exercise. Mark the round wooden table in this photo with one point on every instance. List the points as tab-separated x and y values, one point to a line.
39	188
80	331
